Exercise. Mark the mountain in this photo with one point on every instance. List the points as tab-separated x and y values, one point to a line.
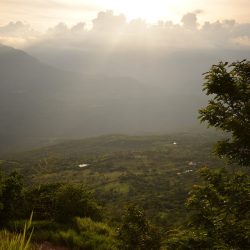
40	102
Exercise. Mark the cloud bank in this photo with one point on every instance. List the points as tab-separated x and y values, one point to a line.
109	30
17	34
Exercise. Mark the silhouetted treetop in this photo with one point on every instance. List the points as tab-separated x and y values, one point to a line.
229	108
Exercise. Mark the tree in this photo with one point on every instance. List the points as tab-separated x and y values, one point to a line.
136	232
12	197
72	200
220	213
41	201
220	206
229	108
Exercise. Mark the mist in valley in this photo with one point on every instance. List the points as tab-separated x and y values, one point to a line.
118	76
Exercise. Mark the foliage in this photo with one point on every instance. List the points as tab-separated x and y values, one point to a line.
14	241
73	200
41	200
86	224
229	108
148	170
60	202
41	229
187	239
11	198
1	193
136	232
220	213
151	171
85	234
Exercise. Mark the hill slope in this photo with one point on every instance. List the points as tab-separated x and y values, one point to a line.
154	171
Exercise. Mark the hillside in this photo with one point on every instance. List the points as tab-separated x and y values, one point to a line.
154	171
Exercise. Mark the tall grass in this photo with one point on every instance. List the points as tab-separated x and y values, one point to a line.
15	241
86	234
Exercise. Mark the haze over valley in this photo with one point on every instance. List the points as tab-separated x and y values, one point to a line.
117	77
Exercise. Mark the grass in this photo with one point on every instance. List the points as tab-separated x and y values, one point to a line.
83	233
14	241
88	234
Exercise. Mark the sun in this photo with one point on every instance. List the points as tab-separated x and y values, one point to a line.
149	10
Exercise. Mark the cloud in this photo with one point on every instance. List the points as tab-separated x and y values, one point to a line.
242	30
60	28
242	41
189	21
111	30
137	25
79	27
17	34
226	33
106	21
15	29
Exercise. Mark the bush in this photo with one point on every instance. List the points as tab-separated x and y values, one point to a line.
41	200
73	200
60	202
136	232
11	197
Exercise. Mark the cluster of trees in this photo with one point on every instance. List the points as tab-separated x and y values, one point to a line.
57	202
220	214
68	214
137	232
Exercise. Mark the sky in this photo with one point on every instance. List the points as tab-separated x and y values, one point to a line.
158	23
41	14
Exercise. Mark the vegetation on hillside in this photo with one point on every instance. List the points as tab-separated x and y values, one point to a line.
129	192
220	206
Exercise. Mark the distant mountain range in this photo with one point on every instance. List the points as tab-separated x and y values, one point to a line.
39	102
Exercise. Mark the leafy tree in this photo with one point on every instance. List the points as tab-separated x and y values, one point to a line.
229	108
41	201
220	213
60	202
220	207
136	232
12	197
73	200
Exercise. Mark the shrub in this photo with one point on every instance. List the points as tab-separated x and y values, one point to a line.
73	200
136	232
